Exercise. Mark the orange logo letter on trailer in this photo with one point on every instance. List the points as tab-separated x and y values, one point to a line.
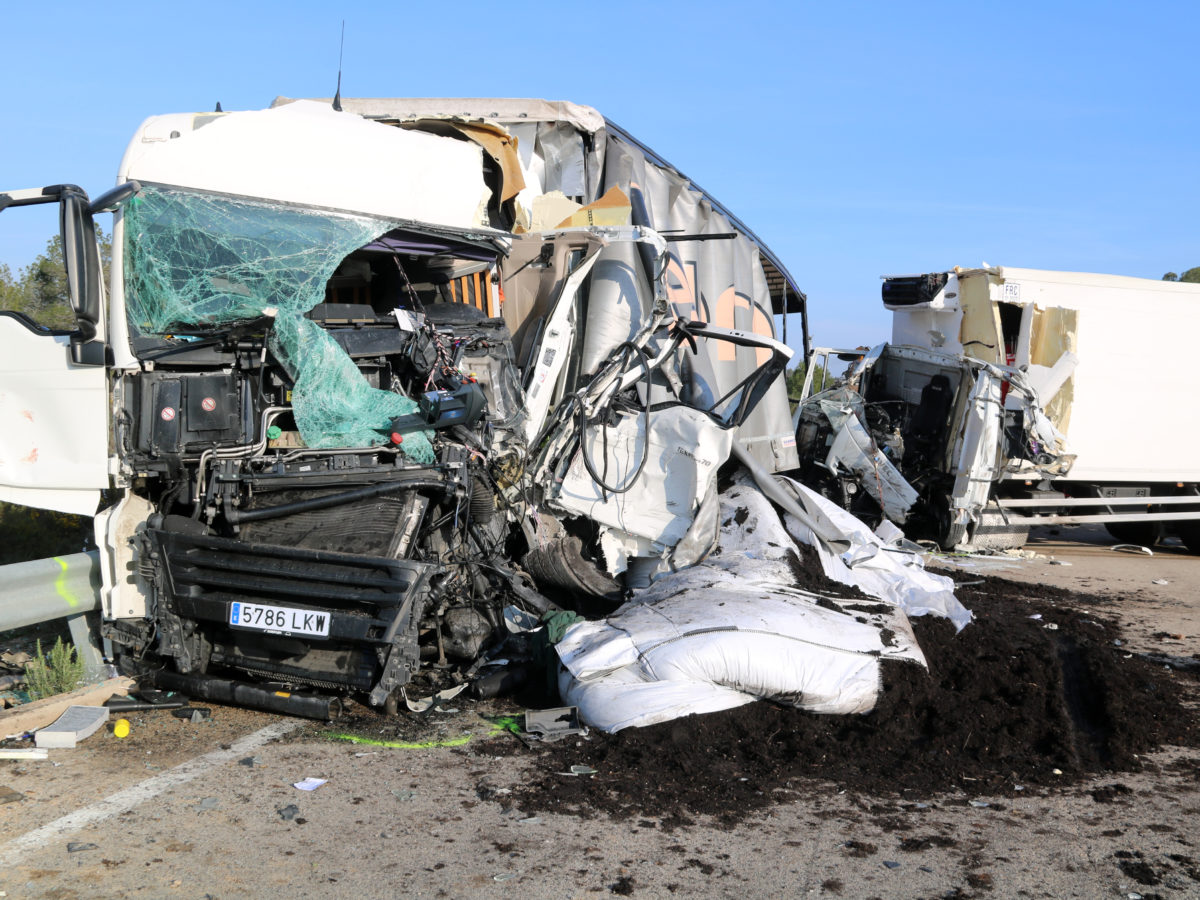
760	324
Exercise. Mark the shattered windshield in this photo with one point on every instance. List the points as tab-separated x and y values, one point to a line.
198	262
195	261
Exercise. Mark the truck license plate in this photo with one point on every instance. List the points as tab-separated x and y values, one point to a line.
282	619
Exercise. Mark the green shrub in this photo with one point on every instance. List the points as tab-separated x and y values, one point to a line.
27	533
52	673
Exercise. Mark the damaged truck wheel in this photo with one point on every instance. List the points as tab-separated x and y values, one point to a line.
950	534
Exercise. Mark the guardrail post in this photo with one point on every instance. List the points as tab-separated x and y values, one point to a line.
87	650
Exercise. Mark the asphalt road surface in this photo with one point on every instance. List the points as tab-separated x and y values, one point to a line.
209	810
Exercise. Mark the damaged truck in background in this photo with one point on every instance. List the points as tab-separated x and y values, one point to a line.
363	382
1009	398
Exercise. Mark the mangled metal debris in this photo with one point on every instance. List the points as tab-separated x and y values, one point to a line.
361	384
919	436
553	724
995	402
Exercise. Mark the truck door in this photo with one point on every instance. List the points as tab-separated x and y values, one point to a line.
977	451
53	390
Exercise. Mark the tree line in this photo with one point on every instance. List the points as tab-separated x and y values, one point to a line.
39	290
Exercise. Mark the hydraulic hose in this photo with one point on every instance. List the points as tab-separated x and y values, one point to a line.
629	482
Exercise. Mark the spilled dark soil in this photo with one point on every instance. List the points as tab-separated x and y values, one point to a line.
1038	692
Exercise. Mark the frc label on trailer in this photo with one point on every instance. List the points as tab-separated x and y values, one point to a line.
278	619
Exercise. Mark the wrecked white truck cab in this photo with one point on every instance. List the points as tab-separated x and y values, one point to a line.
349	395
1017	397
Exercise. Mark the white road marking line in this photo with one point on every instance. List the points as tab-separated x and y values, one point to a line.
141	792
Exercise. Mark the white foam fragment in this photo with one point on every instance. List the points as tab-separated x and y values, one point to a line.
77	723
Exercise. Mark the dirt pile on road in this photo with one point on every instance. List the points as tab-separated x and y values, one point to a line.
1037	692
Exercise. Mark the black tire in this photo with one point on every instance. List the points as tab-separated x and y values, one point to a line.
1144	534
131	665
949	535
1189	533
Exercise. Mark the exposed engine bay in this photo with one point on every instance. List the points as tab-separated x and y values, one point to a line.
344	466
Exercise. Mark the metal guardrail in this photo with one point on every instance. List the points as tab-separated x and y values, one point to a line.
61	587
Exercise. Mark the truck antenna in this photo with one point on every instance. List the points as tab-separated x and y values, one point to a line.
337	97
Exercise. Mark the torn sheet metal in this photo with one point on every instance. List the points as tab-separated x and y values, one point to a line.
548	210
1049	381
977	449
559	341
1046	449
501	147
425	704
619	303
876	568
604	450
553	724
553	352
923	436
736	628
684	451
854	449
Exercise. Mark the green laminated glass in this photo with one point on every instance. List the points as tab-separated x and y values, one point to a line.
196	262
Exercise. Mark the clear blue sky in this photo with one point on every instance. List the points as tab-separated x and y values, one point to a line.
857	139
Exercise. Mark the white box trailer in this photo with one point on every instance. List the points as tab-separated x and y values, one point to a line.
1106	360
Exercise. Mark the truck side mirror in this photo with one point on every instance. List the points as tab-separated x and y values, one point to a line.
82	263
81	259
114	198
